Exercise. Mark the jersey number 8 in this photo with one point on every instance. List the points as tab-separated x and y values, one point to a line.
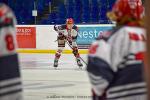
9	42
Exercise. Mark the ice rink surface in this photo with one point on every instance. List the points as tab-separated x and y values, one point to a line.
42	82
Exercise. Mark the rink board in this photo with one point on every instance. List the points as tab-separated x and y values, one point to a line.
42	38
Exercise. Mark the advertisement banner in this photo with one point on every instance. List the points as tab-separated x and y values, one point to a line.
26	37
88	34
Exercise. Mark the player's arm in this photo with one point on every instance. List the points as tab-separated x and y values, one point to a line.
75	33
60	29
99	69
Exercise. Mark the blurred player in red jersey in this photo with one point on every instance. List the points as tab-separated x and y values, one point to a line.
10	81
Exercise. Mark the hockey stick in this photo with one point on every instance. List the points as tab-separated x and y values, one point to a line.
72	49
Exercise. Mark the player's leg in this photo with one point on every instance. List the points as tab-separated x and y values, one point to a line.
57	56
61	45
76	54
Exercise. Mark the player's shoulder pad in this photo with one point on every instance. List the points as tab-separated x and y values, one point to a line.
62	27
75	27
106	35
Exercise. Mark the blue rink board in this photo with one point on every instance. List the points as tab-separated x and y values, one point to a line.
88	34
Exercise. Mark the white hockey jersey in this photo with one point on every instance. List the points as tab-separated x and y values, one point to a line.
65	31
10	81
68	33
115	65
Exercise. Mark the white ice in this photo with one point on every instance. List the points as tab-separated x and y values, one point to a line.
42	82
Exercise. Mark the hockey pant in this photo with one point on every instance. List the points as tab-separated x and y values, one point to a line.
61	46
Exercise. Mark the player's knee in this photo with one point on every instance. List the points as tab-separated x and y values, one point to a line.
75	50
58	53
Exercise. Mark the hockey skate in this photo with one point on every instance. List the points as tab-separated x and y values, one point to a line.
79	63
55	63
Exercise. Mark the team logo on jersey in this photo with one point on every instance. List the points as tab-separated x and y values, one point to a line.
137	37
93	48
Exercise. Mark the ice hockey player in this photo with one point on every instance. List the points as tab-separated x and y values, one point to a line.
67	33
10	79
115	61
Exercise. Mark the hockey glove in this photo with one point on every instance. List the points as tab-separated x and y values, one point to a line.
55	28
